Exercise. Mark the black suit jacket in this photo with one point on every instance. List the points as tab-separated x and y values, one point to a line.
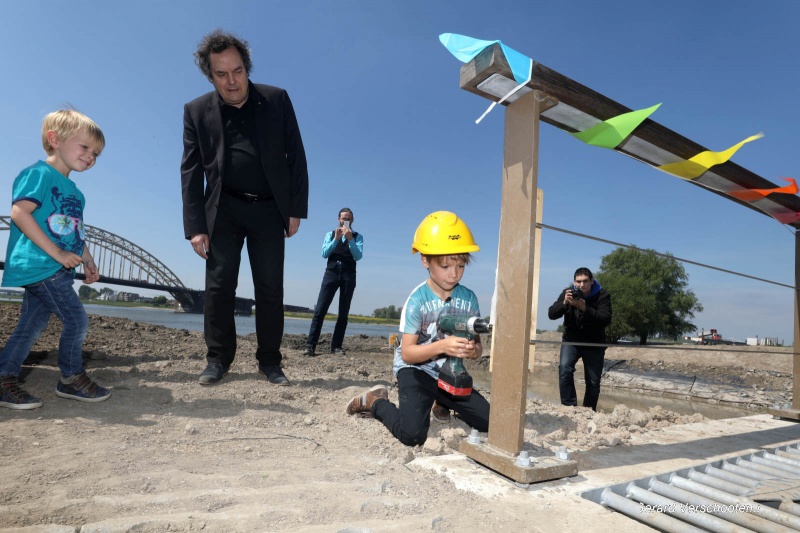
280	146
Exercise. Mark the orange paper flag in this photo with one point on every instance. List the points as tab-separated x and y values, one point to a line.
750	195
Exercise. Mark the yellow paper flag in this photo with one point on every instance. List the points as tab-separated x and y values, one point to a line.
699	164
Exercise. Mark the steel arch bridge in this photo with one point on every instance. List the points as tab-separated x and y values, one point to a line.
122	262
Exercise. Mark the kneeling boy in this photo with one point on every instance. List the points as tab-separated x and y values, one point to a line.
445	243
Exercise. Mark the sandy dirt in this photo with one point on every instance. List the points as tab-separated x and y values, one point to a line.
166	454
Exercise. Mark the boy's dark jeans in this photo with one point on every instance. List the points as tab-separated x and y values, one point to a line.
593	359
409	423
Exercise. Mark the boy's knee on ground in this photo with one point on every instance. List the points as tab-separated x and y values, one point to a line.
414	439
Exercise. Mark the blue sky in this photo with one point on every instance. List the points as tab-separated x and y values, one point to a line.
389	133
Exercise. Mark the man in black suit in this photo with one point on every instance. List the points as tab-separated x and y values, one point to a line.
244	177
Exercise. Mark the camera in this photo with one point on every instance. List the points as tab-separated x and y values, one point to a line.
576	293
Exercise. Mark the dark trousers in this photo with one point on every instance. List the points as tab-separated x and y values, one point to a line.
335	279
593	359
417	391
262	226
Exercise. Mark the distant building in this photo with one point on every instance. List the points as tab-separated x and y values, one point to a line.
766	341
297	309
11	292
128	297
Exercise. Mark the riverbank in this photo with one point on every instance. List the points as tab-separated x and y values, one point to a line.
164	453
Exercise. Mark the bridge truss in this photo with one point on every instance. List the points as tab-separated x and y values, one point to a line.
119	258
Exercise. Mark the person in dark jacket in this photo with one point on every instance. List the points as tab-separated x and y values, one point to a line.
342	247
244	177
586	308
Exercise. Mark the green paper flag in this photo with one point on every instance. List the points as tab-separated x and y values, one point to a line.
611	132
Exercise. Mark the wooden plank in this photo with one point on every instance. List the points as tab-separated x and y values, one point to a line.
543	469
583	99
536	260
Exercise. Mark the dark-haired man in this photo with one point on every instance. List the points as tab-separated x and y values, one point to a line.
586	308
244	177
342	247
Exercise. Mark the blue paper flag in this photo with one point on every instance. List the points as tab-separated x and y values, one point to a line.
466	48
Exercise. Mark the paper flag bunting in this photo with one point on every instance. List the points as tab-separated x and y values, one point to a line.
751	195
699	164
611	132
466	48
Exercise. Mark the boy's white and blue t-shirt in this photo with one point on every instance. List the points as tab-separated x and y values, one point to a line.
420	314
59	213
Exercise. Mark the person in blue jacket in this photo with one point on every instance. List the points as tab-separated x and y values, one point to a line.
342	247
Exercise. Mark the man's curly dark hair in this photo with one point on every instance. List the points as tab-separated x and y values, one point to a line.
218	41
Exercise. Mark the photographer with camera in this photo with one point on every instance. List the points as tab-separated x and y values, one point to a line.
342	247
586	308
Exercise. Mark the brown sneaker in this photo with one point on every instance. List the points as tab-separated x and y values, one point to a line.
440	412
362	405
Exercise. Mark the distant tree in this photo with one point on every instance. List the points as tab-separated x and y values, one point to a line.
106	290
87	293
160	300
649	295
387	312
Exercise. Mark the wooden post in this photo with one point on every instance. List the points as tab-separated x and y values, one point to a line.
511	333
784	411
796	341
535	289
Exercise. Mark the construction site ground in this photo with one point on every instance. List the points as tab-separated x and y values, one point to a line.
166	454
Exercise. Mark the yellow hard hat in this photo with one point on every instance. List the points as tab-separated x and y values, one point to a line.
443	233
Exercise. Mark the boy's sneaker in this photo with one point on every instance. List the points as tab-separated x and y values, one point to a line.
309	352
362	405
13	396
339	351
83	389
440	412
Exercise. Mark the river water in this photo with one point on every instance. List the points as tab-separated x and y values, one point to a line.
244	324
542	384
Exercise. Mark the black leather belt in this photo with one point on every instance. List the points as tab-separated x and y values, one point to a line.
248	197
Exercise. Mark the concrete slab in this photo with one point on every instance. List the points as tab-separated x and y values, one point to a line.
556	506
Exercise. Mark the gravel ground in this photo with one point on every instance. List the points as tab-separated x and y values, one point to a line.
166	454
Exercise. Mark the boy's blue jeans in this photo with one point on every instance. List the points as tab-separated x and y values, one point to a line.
55	296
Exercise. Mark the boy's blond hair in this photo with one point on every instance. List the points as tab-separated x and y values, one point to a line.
442	260
68	122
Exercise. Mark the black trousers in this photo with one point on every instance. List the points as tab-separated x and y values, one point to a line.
593	359
334	279
261	225
417	391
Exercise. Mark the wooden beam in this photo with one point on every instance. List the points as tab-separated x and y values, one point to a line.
489	76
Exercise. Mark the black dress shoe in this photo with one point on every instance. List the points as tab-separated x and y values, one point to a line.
212	374
274	374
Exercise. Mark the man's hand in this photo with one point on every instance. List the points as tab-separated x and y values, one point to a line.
580	303
294	226
347	232
201	245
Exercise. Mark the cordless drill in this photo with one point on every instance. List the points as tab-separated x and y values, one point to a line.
453	377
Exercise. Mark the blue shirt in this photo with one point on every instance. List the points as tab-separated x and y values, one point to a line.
420	314
356	245
59	213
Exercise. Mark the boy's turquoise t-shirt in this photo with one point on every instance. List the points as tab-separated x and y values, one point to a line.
59	213
420	314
